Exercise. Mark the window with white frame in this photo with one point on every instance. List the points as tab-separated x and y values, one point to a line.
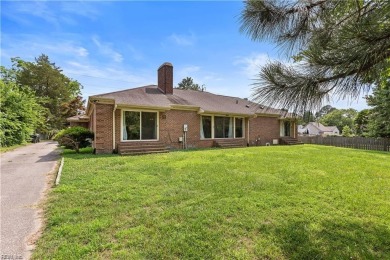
205	128
239	127
221	127
139	125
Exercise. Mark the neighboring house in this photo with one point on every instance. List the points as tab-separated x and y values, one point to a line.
79	120
315	128
174	118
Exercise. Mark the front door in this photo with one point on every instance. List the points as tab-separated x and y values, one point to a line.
287	128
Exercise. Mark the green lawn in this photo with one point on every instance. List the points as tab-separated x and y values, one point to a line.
281	202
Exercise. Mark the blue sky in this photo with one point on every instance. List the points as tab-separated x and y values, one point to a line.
115	45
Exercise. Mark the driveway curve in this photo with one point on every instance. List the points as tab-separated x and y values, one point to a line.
24	179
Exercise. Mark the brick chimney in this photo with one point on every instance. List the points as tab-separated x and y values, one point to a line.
165	78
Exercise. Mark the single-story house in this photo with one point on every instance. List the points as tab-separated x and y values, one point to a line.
79	120
160	116
315	128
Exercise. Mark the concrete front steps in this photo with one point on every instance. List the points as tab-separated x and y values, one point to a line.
138	148
288	140
230	143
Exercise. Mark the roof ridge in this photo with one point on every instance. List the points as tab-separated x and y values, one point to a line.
210	93
118	91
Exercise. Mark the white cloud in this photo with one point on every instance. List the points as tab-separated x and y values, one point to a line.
21	11
29	46
98	79
135	54
252	64
191	71
182	39
188	70
105	49
110	73
38	9
81	8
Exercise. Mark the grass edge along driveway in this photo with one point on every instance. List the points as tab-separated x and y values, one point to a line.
281	202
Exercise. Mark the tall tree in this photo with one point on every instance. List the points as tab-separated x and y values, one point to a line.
56	91
306	117
379	122
362	120
74	107
346	131
324	111
20	112
339	48
188	83
340	118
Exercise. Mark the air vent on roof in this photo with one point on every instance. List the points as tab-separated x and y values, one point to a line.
261	107
236	101
247	106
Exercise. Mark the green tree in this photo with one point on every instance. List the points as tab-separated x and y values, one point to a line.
74	107
188	83
339	48
56	92
362	121
379	123
324	111
347	132
307	117
20	112
340	118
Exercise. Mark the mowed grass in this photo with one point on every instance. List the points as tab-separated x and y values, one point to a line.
282	202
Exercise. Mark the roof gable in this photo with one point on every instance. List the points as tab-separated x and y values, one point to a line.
321	128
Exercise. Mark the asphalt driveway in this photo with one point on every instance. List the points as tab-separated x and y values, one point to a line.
24	179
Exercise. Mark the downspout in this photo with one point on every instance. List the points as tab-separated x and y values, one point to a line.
113	127
248	131
294	125
94	124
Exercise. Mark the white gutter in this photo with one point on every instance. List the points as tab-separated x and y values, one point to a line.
248	133
113	127
94	124
294	126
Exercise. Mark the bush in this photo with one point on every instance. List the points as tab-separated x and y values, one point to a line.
74	138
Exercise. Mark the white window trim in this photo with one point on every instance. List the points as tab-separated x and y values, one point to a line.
242	126
234	127
140	140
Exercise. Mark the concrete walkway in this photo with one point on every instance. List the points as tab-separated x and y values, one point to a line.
24	179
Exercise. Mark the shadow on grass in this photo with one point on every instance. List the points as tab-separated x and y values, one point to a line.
337	239
87	153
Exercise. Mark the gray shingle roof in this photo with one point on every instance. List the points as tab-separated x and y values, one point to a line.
150	96
321	127
78	118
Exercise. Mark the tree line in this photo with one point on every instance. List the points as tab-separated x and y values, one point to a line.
335	49
35	97
370	122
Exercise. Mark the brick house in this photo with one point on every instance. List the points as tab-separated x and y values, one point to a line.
161	117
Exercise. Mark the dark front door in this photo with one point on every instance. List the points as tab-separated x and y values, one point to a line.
287	128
